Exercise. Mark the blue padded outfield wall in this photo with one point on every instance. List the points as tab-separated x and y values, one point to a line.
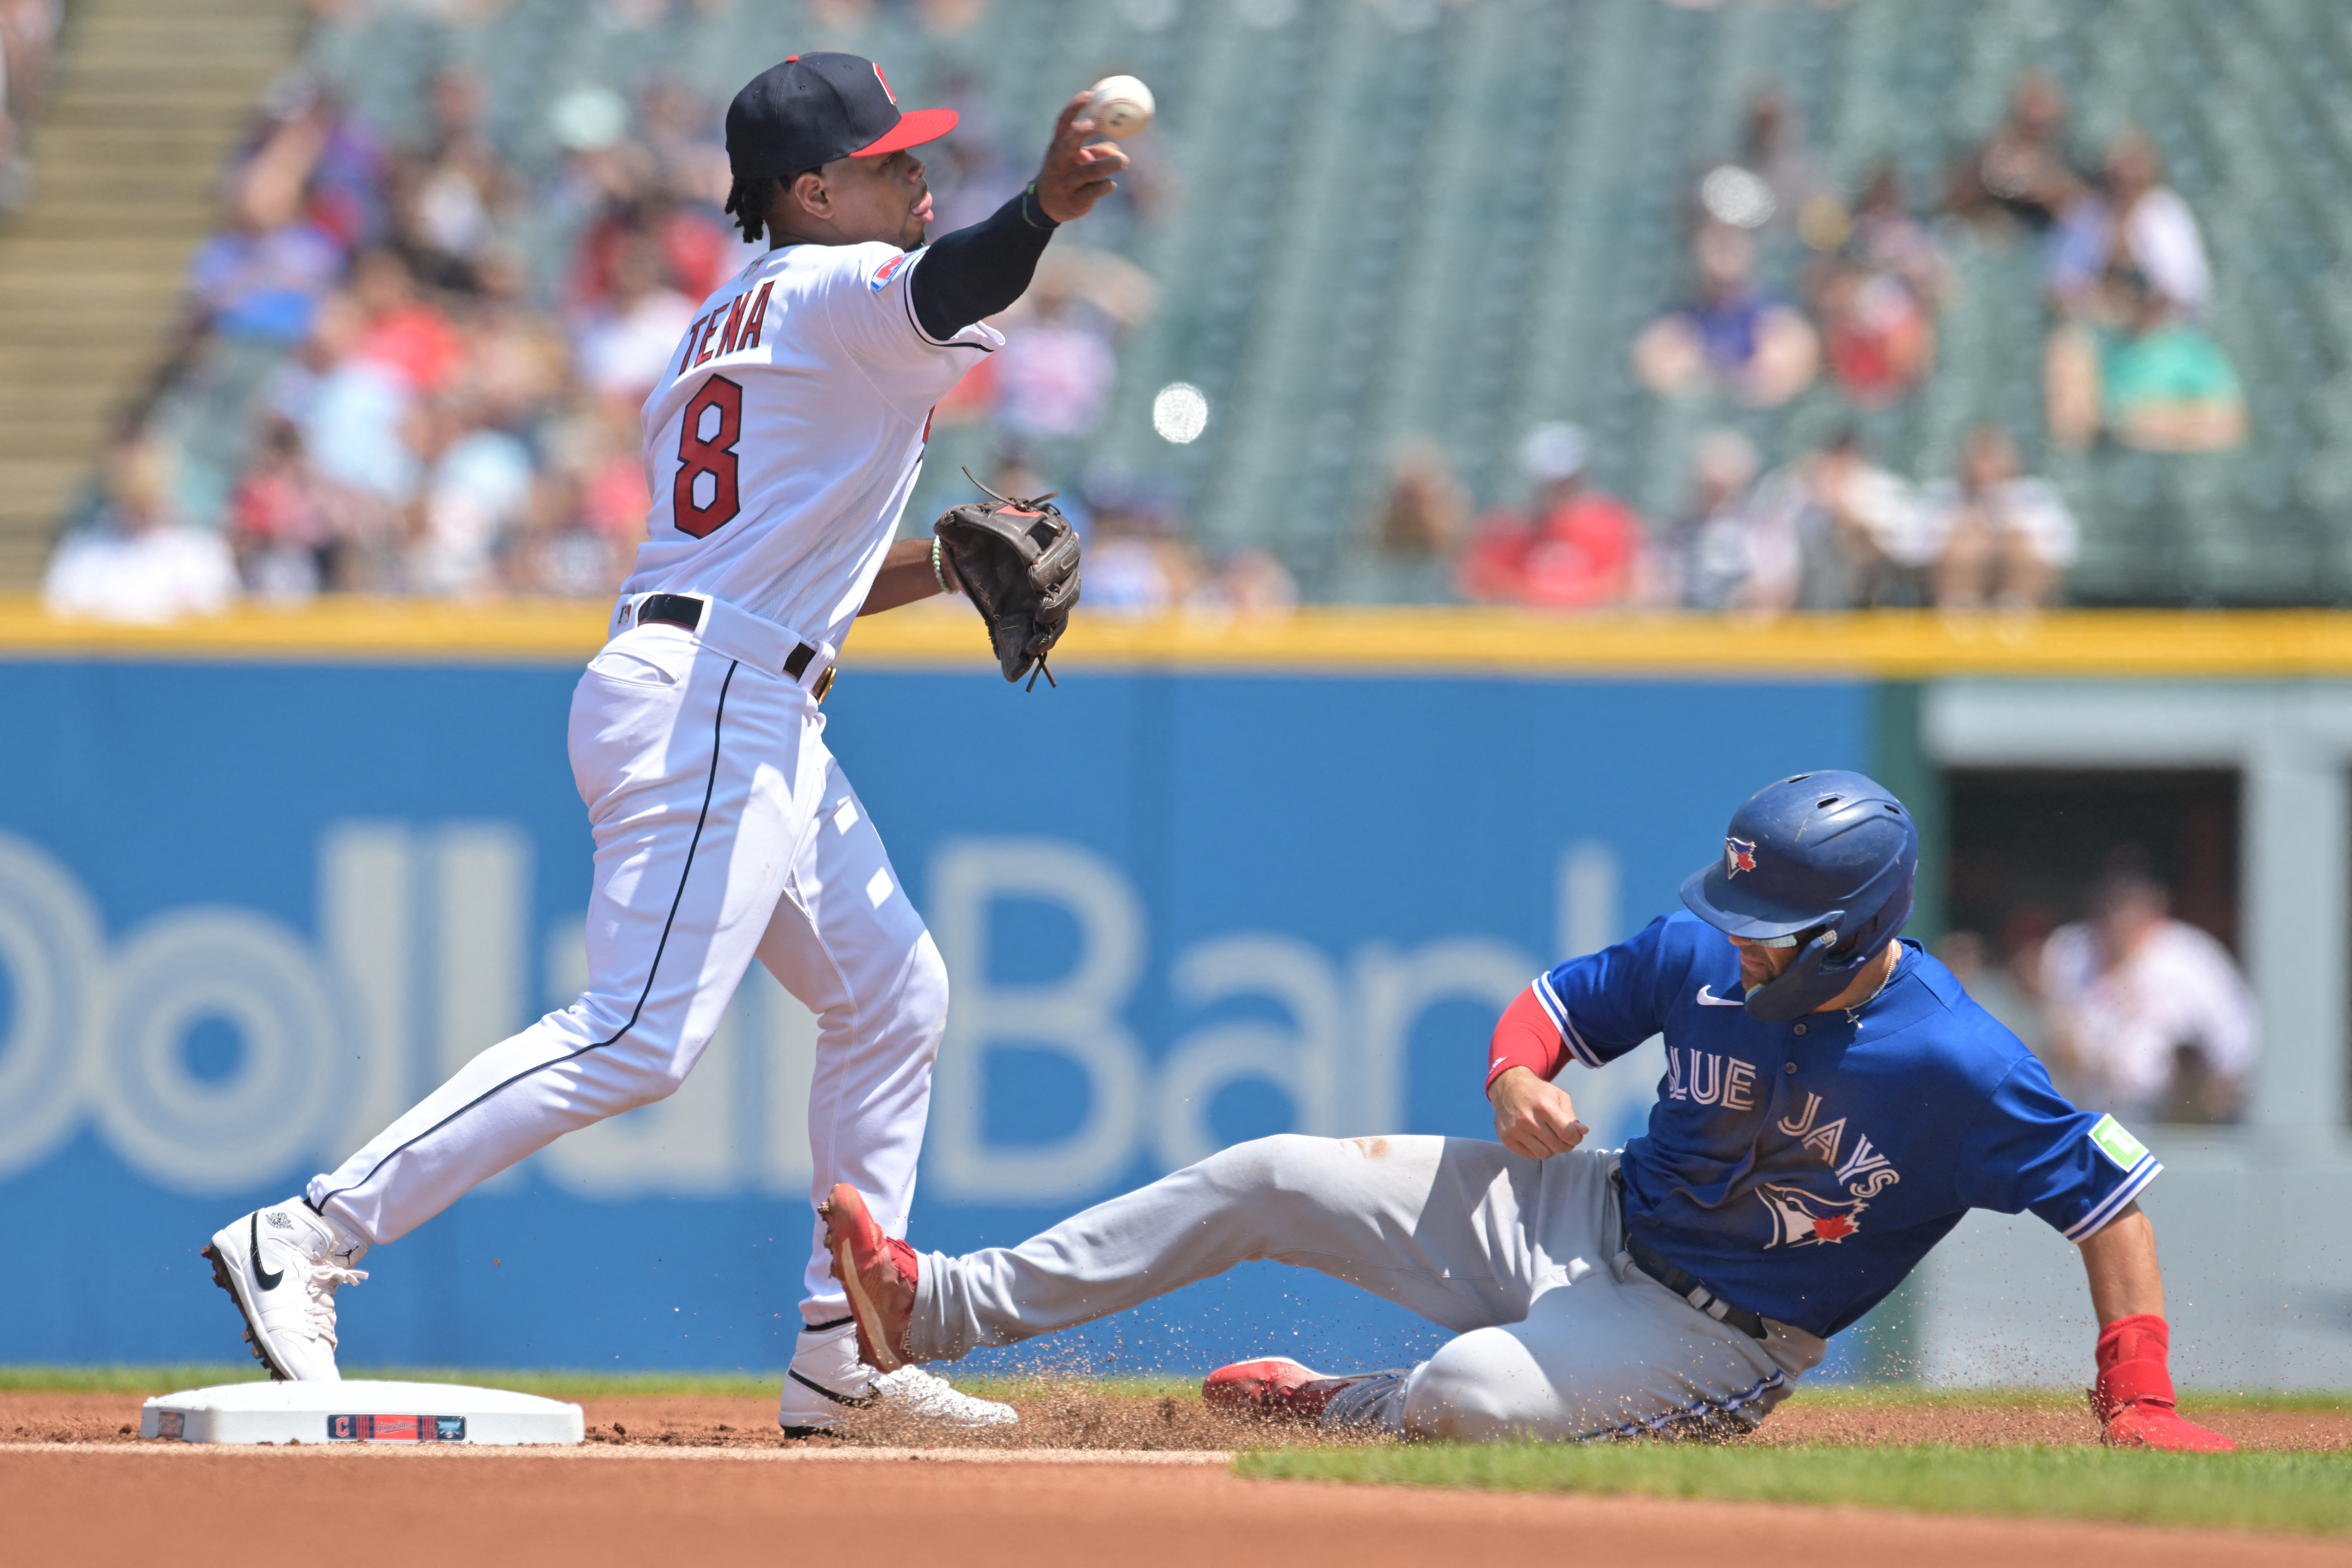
248	911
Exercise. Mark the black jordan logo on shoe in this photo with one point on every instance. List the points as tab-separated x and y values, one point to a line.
266	1280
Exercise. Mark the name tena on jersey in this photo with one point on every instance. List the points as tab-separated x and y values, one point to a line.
743	326
1702	1077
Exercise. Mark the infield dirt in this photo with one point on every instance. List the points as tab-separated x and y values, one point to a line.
656	1486
198	1509
1072	1416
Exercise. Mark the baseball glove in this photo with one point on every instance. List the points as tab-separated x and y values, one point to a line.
1018	560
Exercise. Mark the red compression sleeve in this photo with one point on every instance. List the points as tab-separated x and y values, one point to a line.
1525	1038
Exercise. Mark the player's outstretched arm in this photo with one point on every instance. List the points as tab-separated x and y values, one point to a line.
972	274
2134	1399
915	569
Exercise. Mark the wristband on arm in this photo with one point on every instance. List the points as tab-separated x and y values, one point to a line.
1525	1037
2134	1399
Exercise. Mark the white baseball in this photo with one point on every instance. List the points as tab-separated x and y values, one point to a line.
1120	107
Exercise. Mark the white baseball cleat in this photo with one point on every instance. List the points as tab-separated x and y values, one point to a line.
282	1265
826	1381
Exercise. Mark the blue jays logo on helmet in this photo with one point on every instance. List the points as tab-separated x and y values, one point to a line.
1827	857
1801	1218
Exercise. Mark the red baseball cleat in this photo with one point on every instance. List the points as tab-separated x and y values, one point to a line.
877	1273
2149	1425
1273	1387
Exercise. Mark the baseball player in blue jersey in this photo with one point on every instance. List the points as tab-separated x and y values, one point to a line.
1833	1103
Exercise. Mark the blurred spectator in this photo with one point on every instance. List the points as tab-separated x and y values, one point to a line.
689	153
625	346
279	528
1575	548
2135	370
1995	536
1251	581
1876	333
1877	299
256	283
1139	561
353	415
1056	373
2148	1015
1420	525
1731	338
1855	525
29	30
2137	221
1776	184
1885	238
2022	175
477	489
1723	552
138	562
401	332
262	277
447	203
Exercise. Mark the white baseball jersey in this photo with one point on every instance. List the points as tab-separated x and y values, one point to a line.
785	438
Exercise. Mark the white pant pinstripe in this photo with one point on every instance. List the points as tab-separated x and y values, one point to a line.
724	830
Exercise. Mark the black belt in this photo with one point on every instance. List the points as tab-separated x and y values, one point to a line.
686	610
672	610
1687	1286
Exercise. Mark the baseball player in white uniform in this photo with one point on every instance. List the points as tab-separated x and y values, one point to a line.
781	449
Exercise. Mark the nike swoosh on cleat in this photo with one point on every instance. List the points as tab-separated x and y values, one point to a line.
1707	998
266	1280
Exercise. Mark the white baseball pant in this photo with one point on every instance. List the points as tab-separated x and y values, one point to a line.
724	830
1559	1335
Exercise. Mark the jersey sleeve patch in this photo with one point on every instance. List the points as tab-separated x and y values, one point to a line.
2122	1150
890	271
2143	1171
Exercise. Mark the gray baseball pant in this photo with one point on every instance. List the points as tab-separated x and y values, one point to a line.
1559	1335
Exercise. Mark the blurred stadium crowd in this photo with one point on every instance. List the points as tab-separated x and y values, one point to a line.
28	31
461	241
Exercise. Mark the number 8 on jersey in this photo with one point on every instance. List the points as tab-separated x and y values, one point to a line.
713	454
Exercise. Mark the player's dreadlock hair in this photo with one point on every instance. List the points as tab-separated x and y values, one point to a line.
754	204
749	201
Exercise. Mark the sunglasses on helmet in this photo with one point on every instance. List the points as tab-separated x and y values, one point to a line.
1797	940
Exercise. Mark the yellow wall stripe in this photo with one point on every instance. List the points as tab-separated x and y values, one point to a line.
1893	645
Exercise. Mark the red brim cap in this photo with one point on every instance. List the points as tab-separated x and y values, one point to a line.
913	129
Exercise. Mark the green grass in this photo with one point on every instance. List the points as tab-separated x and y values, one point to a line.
559	1384
2306	1491
1903	1395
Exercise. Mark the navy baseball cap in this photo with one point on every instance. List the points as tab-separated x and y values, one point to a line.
813	108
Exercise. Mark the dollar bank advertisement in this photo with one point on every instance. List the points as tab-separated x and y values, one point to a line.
250	911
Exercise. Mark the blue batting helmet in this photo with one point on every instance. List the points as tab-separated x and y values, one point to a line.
1831	855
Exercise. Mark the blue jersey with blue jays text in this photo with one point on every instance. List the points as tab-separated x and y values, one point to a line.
1801	1170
